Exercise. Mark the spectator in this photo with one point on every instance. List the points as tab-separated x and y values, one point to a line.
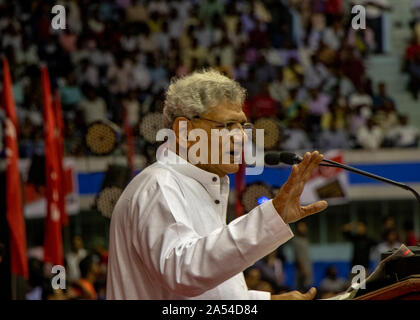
390	242
277	88
370	136
404	135
336	115
296	137
120	76
70	92
36	281
132	107
73	258
388	224
252	277
386	117
333	138
89	268
93	107
302	256
318	106
138	45
362	244
375	10
333	35
332	284
352	67
293	104
209	9
293	72
271	269
318	103
381	98
361	98
262	105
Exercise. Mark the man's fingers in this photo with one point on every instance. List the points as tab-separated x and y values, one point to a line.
291	181
316	159
305	162
310	294
314	208
296	295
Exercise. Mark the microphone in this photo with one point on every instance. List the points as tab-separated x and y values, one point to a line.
274	158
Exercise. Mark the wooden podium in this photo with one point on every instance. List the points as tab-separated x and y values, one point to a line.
408	289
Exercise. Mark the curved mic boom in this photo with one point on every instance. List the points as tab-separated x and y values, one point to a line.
274	158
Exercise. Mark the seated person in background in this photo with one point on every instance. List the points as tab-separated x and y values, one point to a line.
391	242
386	116
252	277
403	135
382	97
370	136
89	269
334	138
263	105
297	139
255	282
271	269
332	284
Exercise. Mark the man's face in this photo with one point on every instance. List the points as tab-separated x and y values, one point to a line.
225	113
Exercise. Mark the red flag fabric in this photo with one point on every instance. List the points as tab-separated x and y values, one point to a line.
14	212
60	157
53	245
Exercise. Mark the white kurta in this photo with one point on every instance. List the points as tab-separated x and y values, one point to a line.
169	238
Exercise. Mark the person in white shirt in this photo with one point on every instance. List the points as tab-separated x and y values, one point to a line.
77	254
93	107
168	235
404	135
370	136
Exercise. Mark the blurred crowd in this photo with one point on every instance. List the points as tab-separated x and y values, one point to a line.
278	272
270	274
412	53
300	60
85	274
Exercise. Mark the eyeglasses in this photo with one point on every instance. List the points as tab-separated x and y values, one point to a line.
229	125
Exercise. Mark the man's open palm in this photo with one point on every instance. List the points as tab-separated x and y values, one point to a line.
287	200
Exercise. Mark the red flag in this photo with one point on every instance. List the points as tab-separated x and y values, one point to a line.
60	156
14	213
53	246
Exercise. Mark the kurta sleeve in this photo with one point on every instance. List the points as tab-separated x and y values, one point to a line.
259	295
189	264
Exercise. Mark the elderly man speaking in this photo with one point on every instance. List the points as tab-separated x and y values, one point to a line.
169	238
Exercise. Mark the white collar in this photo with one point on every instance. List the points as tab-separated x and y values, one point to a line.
179	164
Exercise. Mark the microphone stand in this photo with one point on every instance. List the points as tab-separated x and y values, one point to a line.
333	164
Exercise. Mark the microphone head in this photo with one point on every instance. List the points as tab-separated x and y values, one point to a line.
289	158
274	158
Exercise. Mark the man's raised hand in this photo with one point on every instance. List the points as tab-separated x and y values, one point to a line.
287	200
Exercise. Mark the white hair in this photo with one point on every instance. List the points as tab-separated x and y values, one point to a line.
196	93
